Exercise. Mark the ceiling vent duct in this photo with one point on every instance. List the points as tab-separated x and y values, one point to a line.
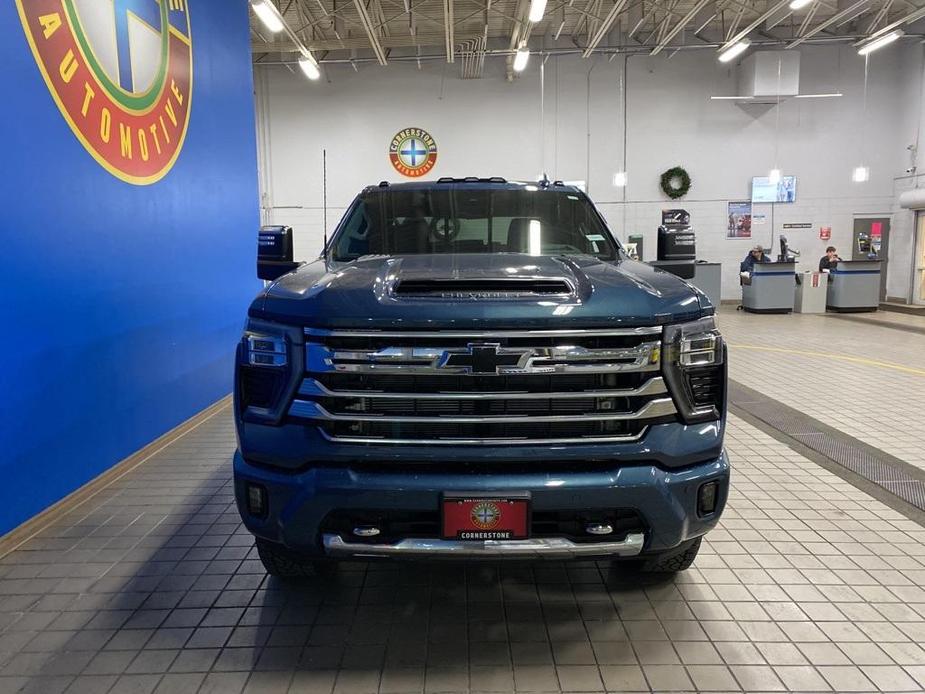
766	77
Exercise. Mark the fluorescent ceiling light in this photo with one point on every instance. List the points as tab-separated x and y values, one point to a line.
310	68
774	176
520	59
799	4
819	96
734	50
537	10
731	98
268	14
861	174
880	42
619	179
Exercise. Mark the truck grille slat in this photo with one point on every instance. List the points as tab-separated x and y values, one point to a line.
498	387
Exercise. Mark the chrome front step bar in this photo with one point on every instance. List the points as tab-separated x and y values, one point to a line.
537	548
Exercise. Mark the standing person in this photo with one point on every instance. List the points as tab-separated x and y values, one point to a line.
829	260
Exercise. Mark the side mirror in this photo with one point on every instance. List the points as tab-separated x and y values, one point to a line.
274	252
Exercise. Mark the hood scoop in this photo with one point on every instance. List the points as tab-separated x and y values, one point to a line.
484	288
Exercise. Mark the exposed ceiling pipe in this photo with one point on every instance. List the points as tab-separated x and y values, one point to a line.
605	50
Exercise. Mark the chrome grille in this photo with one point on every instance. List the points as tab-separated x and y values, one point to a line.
499	387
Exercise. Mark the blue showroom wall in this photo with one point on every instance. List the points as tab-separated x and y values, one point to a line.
121	304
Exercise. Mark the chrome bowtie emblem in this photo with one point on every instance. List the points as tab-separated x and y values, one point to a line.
484	359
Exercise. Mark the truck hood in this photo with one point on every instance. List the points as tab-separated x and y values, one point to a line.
469	291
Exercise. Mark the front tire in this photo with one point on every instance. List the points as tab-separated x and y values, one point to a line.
283	563
675	560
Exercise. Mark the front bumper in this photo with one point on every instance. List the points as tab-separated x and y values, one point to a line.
537	548
299	503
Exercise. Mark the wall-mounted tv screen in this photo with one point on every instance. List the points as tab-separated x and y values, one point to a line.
785	190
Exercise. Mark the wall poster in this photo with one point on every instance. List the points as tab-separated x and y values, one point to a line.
740	221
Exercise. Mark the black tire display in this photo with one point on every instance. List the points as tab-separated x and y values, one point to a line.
280	562
672	562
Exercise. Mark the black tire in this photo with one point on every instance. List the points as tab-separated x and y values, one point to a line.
673	561
283	563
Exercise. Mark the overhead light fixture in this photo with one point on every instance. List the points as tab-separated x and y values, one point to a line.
537	10
819	96
619	179
799	4
521	58
731	98
734	50
268	14
310	68
774	177
861	174
880	42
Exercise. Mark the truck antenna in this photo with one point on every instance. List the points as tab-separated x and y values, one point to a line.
324	200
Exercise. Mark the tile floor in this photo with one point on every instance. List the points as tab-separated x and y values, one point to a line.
809	584
851	376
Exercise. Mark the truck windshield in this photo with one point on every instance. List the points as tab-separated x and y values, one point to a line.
456	220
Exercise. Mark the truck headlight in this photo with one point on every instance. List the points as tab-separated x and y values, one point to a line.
264	365
266	350
694	367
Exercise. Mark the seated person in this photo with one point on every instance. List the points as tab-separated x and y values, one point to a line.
829	260
756	255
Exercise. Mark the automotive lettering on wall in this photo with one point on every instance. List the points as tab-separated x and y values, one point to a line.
798	225
121	72
413	152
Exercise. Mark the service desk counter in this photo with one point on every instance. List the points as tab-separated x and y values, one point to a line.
854	285
708	278
770	289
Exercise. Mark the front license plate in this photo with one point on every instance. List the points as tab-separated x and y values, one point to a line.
486	517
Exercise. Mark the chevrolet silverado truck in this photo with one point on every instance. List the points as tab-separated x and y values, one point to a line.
476	369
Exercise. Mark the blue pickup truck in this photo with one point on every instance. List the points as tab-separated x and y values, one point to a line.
476	369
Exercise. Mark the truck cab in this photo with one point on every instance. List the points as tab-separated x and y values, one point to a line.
475	368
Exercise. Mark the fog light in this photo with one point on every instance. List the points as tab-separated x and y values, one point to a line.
256	500
707	498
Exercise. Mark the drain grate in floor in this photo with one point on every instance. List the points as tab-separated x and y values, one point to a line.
888	473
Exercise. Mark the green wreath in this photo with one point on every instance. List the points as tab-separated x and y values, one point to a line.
676	182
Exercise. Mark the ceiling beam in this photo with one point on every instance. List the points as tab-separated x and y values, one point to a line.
604	27
908	19
822	26
683	22
807	20
370	32
448	29
777	7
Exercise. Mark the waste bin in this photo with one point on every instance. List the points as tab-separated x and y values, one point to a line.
811	292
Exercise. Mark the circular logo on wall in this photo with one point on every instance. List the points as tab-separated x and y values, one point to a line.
485	515
413	152
121	72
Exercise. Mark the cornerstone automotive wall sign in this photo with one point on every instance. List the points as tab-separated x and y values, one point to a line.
413	152
121	72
